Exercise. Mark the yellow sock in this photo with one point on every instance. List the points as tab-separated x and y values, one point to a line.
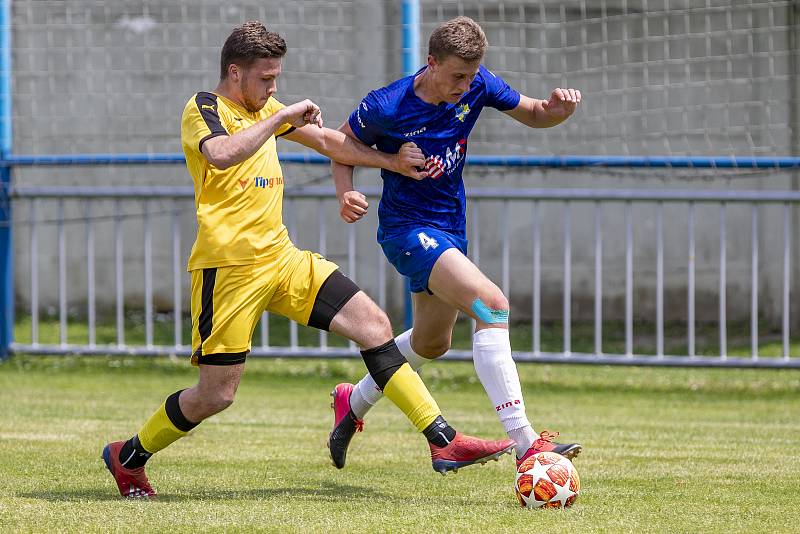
159	431
407	391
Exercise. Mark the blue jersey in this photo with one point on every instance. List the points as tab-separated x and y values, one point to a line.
393	115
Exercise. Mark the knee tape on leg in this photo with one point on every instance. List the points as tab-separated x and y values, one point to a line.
488	315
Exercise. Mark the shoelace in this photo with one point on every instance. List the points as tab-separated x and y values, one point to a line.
545	436
358	422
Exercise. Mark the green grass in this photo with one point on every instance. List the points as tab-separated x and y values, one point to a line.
582	339
665	450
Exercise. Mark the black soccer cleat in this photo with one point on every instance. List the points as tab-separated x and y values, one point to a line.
345	424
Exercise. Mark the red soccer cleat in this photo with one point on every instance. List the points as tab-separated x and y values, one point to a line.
545	443
131	482
467	450
345	424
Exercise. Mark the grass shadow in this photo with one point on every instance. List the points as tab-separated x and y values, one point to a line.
81	495
331	492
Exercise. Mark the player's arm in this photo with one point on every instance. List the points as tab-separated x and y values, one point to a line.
226	151
346	149
353	204
538	113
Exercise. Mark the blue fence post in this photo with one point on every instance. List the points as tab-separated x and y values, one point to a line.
6	244
410	22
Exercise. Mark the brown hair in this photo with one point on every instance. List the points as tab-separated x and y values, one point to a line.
249	42
461	37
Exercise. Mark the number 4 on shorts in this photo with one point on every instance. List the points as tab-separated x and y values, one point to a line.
427	242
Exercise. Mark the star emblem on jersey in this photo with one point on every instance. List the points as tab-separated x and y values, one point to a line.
435	167
462	111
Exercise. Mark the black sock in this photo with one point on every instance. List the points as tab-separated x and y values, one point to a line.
383	361
132	455
439	432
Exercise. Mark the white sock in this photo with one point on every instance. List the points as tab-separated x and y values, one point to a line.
366	393
524	437
404	344
491	354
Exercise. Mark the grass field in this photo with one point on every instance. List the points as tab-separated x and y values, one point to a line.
666	450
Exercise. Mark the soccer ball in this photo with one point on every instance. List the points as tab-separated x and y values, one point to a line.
548	480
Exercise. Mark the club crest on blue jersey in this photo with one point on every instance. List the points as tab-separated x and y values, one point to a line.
462	111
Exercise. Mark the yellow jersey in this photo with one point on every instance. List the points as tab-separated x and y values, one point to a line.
239	209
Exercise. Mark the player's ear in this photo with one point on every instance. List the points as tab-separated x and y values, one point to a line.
234	73
432	64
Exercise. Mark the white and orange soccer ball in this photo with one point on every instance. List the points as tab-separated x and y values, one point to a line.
548	480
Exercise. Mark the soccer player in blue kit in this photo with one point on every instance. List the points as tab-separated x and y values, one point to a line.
422	222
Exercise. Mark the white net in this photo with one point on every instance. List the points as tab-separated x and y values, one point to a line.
669	77
658	77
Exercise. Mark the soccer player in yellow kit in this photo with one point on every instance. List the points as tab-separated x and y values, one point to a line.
244	263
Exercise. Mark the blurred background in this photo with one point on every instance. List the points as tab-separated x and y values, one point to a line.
659	78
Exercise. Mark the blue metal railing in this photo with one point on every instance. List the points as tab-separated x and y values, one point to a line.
673	162
411	36
411	39
6	243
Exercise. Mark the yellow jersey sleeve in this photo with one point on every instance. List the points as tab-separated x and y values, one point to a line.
271	108
200	121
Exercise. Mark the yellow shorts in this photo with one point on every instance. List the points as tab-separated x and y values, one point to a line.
227	302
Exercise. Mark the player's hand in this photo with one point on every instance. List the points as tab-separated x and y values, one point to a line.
302	113
562	103
352	206
409	161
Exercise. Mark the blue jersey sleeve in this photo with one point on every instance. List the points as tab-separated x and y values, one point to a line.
499	94
367	121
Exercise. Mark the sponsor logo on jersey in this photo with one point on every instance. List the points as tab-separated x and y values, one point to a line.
462	111
438	165
435	167
454	157
358	117
262	182
415	132
358	114
267	183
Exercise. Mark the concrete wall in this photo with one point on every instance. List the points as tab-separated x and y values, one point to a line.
114	76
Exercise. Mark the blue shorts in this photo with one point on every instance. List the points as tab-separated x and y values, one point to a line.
414	252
